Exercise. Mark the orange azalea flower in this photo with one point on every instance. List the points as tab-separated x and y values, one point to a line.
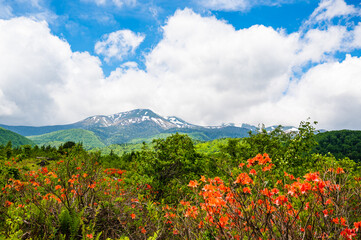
312	177
132	215
266	192
307	206
267	168
193	184
184	203
357	225
348	233
191	212
57	187
223	221
244	179
201	224
44	170
36	184
343	221
305	187
203	179
325	212
340	170
89	236
246	190
335	220
281	200
253	172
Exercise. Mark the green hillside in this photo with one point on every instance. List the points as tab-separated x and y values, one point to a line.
88	138
16	139
342	143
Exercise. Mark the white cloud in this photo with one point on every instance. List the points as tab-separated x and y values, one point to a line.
35	9
118	3
314	47
33	3
225	4
36	66
240	5
118	44
330	93
329	9
203	70
357	36
204	64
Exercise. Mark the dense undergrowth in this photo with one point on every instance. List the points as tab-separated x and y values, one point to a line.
267	186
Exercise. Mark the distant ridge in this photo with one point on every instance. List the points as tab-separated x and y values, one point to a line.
15	138
134	126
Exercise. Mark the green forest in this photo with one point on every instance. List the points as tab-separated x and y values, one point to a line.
269	185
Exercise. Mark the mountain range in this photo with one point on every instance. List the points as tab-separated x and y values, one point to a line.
132	126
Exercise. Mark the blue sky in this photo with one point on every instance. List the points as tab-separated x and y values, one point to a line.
208	62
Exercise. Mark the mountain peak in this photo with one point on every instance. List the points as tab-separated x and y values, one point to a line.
136	116
135	113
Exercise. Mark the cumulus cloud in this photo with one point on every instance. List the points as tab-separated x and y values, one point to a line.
206	64
118	44
36	66
328	92
203	70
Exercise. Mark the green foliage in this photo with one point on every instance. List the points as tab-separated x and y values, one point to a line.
288	150
343	143
211	148
69	223
87	138
168	166
119	149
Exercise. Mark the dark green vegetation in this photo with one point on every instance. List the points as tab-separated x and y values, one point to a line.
87	138
16	139
343	143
